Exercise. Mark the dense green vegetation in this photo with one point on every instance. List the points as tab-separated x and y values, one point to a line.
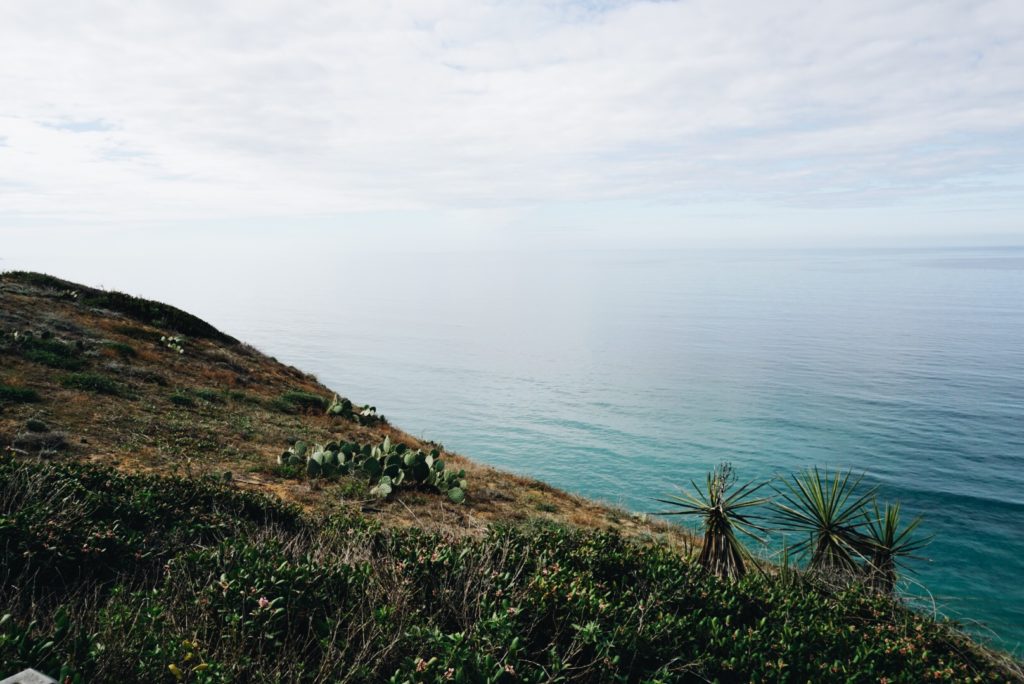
17	395
94	382
113	577
304	401
43	350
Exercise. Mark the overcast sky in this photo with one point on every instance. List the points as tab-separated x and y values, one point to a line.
502	123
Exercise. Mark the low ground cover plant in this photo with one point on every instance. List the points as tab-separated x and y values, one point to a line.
43	349
114	577
17	395
94	382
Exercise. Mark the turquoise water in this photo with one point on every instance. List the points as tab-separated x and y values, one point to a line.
620	375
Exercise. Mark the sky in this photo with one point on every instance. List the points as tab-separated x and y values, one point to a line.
452	124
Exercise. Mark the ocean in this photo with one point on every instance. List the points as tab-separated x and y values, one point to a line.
622	376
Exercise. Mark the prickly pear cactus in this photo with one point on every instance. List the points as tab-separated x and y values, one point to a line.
294	455
386	466
340	407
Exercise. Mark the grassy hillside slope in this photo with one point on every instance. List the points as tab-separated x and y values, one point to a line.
107	389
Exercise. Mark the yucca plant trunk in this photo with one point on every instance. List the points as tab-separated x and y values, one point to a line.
883	574
719	555
828	559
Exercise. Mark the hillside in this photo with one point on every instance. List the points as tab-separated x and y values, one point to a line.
110	391
149	533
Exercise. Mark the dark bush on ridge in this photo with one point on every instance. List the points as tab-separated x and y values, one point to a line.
144	310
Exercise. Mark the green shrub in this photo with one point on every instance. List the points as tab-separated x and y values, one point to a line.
18	395
46	351
52	360
288	471
304	401
125	351
133	574
94	382
280	406
180	398
211	395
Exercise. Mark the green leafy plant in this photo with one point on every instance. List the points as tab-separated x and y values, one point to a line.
94	382
343	408
340	407
831	515
45	350
18	395
211	395
116	577
385	466
294	455
326	461
179	398
723	514
305	401
889	545
176	343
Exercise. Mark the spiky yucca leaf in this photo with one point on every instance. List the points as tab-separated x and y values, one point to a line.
830	513
890	545
723	554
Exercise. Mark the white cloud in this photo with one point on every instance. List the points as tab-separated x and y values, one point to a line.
125	112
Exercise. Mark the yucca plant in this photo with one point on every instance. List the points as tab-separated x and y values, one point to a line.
890	545
831	514
723	554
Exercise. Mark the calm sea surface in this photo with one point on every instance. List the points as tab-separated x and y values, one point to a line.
619	376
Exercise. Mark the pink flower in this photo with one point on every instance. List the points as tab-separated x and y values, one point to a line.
263	602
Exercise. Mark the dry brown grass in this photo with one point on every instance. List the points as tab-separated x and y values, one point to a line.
244	435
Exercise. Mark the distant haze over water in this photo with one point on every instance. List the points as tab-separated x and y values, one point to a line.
619	375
